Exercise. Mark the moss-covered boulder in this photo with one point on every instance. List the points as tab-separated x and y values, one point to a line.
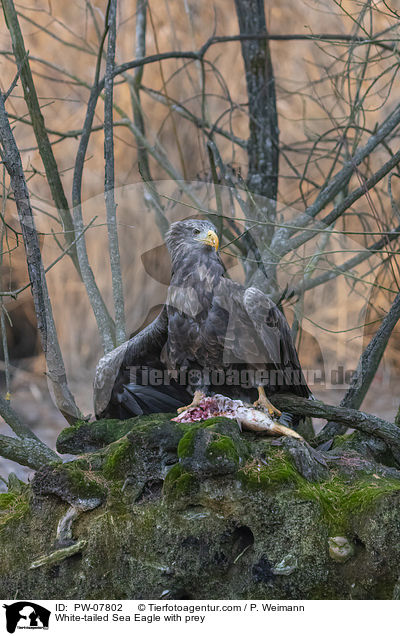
152	508
213	447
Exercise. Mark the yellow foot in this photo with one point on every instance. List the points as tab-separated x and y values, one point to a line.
264	403
197	398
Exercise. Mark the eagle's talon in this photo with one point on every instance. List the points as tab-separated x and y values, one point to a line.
276	412
264	403
197	398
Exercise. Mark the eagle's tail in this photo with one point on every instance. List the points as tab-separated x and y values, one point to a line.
136	399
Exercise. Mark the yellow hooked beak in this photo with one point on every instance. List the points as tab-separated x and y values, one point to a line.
210	239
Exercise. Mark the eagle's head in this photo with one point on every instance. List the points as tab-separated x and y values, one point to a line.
193	236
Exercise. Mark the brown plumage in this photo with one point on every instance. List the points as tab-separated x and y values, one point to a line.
218	335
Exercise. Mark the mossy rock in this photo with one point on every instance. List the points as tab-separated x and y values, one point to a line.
72	483
369	447
213	447
86	437
202	511
180	483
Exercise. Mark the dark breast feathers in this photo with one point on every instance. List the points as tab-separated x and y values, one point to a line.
235	334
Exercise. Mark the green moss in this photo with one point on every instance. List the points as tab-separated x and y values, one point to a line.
330	496
74	482
275	470
84	436
222	448
91	436
179	483
341	440
13	506
186	443
6	500
153	418
219	419
116	457
366	492
76	477
338	499
117	501
196	540
83	483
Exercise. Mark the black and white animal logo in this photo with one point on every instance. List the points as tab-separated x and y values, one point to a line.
26	615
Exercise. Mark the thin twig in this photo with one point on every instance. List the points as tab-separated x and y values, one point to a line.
369	251
2	308
14	293
288	246
151	197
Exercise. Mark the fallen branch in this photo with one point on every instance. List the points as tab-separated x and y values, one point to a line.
370	424
59	555
27	452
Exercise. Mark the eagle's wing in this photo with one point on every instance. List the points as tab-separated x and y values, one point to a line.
253	333
274	332
271	326
144	348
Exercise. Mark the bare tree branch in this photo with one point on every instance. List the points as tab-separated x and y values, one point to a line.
11	418
135	84
287	246
15	292
366	368
150	195
370	358
364	422
109	183
375	248
44	146
102	316
184	112
26	452
199	55
44	314
336	185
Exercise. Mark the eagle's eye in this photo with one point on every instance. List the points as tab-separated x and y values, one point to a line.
196	231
